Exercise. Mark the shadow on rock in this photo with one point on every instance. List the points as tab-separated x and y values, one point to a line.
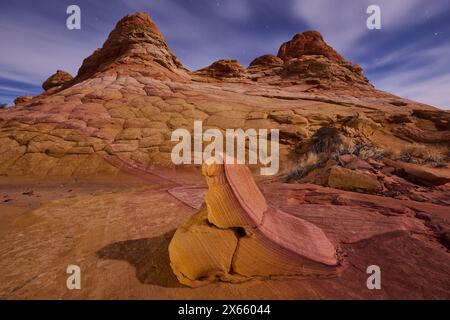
149	256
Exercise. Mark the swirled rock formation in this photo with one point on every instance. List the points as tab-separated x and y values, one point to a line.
237	235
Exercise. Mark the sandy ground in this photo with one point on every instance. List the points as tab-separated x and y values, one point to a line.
118	233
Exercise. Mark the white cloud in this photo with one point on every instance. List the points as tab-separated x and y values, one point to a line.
201	40
432	91
237	10
425	75
33	51
420	73
343	22
10	89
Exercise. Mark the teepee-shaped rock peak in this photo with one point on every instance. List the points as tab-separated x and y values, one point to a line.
134	40
308	56
137	26
307	43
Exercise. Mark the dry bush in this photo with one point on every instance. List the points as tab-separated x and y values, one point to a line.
307	163
434	156
416	153
309	159
391	153
326	140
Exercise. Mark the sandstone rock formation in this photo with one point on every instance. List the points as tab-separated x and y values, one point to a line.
223	69
418	174
368	168
236	235
135	40
119	111
267	60
346	179
57	80
22	99
309	43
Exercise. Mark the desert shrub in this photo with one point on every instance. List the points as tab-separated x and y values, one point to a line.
326	140
323	145
406	157
434	156
421	153
306	166
362	149
416	151
391	153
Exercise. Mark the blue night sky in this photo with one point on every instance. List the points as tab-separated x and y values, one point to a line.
409	56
